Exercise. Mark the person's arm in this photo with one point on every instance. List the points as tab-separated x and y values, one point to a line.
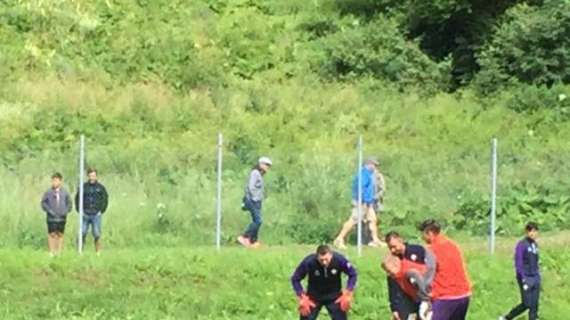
381	186
419	283
350	271
45	204
254	185
431	264
68	203
519	261
77	201
104	199
394	295
298	276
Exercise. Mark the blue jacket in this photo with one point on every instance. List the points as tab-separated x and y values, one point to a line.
368	188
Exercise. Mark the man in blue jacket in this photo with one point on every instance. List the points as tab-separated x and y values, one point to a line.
324	269
528	274
368	198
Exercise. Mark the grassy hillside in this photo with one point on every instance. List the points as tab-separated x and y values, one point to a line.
197	283
151	83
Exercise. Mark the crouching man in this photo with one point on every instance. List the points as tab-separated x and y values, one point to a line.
324	269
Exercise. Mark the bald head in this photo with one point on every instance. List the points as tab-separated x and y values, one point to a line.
391	264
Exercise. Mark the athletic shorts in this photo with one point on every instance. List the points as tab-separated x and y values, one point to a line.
54	227
368	213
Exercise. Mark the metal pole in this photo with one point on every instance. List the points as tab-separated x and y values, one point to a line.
81	175
493	195
219	194
359	227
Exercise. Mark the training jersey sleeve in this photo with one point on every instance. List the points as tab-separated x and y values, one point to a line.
298	276
519	262
430	262
350	271
394	295
420	284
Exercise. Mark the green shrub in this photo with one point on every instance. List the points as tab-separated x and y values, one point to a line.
377	49
532	46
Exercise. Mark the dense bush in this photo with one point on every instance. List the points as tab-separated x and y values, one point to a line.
532	46
377	49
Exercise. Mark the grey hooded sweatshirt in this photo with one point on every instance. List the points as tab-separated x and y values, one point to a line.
56	204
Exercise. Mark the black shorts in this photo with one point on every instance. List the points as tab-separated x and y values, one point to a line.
54	227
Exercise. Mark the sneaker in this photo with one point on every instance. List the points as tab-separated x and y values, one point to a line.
255	245
339	244
502	318
377	244
244	241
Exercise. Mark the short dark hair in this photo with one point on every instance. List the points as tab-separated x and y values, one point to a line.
57	175
91	170
391	235
531	226
323	249
430	225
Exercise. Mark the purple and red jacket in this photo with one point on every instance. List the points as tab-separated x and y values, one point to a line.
324	283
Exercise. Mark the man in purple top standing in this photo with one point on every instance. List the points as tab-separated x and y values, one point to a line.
528	274
324	270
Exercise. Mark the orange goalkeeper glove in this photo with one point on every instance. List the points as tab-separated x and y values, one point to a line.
305	305
345	300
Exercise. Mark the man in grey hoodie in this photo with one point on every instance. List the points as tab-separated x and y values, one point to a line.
56	203
252	202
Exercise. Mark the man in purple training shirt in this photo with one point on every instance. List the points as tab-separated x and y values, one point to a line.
324	270
528	274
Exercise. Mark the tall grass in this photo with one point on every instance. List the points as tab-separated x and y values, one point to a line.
156	152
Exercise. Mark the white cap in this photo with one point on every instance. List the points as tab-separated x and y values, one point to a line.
265	160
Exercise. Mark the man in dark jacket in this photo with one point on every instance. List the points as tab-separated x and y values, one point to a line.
324	269
528	274
56	203
95	202
401	304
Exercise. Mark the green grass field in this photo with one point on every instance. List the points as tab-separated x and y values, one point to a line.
200	283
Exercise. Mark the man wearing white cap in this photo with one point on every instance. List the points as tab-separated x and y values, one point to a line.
252	202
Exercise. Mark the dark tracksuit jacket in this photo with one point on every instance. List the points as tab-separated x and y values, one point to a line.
95	198
324	283
528	277
399	301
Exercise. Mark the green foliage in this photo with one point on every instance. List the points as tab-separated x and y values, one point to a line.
532	46
378	50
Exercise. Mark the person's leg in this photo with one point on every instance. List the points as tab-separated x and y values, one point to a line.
534	296
461	308
373	225
84	229
60	232
52	239
257	221
335	312
346	228
96	231
252	231
442	310
521	308
314	313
